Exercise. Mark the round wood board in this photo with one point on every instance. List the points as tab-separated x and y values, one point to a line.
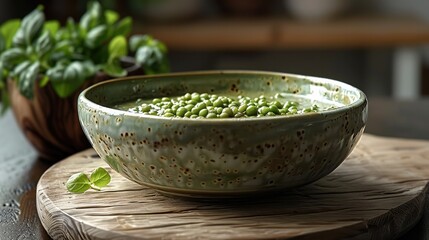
377	193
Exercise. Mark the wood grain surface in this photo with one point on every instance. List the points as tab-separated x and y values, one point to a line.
377	193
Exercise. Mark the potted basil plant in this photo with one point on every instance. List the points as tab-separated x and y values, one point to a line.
44	66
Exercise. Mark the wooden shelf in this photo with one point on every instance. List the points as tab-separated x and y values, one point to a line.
274	33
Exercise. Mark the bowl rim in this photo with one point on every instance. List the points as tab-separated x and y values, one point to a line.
362	100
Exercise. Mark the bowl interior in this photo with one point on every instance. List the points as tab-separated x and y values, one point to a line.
232	83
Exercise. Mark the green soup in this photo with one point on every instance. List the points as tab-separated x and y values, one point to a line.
204	105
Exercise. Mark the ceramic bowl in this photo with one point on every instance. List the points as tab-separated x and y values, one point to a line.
222	157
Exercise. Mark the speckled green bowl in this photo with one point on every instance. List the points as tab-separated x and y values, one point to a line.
222	157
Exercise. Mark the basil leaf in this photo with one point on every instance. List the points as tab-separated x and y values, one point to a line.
12	57
96	36
20	68
152	59
138	40
151	54
88	69
123	27
114	69
65	47
44	44
19	38
2	43
92	17
117	48
100	177
32	24
4	98
66	80
55	74
9	29
44	81
27	78
111	16
52	27
72	31
78	183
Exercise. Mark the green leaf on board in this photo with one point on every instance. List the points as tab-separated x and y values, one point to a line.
100	177
78	183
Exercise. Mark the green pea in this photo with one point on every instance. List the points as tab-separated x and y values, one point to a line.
203	112
194	116
156	100
234	109
228	111
168	115
262	103
274	109
239	115
292	110
204	95
211	115
181	111
200	105
218	110
165	106
218	103
189	107
251	111
146	108
271	114
188	114
165	99
175	107
196	97
195	110
277	104
193	102
224	115
187	96
242	108
264	110
168	111
208	103
234	103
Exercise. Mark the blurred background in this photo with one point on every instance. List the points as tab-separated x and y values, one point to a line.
376	45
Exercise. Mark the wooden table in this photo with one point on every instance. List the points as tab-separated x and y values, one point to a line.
20	167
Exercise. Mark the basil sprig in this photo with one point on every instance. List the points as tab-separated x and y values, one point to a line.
66	56
80	182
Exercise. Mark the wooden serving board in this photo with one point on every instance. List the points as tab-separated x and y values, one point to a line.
377	193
